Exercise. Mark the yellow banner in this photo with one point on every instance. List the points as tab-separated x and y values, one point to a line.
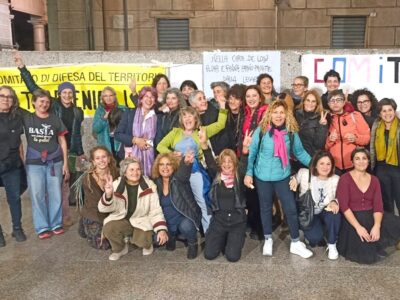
89	81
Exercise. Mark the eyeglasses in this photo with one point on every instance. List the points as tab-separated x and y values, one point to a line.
6	97
297	84
363	102
336	100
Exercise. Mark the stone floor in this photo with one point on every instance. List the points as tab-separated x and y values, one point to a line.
65	267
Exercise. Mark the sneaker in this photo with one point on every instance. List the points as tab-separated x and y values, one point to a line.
192	251
267	249
148	251
19	235
299	248
118	255
333	254
2	240
44	235
58	231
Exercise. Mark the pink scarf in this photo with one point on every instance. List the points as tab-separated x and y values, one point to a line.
280	146
228	179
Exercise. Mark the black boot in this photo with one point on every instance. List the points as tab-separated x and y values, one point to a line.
171	244
2	240
19	235
192	251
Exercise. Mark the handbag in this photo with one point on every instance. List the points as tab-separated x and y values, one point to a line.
306	207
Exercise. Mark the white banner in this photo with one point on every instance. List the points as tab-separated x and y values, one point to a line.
240	68
379	73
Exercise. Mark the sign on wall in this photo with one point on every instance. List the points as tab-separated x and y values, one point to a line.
89	81
240	67
379	73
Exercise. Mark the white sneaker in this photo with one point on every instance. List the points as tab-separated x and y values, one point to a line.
267	249
332	252
299	248
148	251
118	255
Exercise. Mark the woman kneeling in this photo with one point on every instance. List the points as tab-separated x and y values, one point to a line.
134	211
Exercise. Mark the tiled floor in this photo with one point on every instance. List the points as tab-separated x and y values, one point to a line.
65	267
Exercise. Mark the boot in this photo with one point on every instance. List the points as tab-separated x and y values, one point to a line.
19	235
2	240
171	244
192	251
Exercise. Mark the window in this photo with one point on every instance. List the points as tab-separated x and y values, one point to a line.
173	34
348	32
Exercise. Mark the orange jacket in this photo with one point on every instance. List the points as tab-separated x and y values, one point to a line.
348	122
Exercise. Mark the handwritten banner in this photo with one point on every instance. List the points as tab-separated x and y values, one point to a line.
377	72
89	81
240	67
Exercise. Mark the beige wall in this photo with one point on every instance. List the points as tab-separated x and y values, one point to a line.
223	24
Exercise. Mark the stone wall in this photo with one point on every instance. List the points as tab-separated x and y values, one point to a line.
223	24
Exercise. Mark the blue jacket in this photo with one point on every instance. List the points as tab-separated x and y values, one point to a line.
101	129
266	167
123	134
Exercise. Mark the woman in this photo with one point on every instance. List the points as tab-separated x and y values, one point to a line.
266	84
234	124
285	97
366	230
227	231
180	209
174	100
253	112
366	103
134	211
106	119
12	173
91	185
46	165
385	153
137	130
186	88
160	84
186	139
299	89
272	144
323	184
312	121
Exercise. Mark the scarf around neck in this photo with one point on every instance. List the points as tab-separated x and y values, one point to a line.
228	179
387	153
280	150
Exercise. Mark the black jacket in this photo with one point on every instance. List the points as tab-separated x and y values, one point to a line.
181	194
165	123
219	141
240	201
312	134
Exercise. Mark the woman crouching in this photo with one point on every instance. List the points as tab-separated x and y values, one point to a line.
227	231
134	211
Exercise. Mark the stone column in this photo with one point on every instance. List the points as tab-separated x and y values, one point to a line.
39	36
5	25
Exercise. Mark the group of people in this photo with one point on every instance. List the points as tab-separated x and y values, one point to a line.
178	164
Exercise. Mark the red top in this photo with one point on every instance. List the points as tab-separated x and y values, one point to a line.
350	196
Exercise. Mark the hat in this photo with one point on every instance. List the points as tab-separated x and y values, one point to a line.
66	85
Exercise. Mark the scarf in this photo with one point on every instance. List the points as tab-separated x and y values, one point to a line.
228	179
109	108
278	135
389	154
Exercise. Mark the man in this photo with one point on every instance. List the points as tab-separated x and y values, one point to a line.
346	131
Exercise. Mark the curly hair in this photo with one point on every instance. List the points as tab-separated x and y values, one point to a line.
369	94
291	123
178	94
155	170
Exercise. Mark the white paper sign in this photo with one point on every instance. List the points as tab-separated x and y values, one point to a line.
380	73
240	68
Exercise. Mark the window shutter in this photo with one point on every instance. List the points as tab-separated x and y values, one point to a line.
348	32
173	34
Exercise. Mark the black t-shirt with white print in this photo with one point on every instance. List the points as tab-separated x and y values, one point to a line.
42	134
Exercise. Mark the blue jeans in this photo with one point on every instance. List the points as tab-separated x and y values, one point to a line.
196	183
45	193
315	233
187	230
265	191
12	184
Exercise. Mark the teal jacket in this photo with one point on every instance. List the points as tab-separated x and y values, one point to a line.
265	166
101	129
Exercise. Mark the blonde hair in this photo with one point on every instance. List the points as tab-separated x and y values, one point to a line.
155	171
228	153
190	111
291	123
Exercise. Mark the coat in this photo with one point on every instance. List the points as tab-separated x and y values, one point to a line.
148	214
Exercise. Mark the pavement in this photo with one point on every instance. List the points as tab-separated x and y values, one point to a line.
65	267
